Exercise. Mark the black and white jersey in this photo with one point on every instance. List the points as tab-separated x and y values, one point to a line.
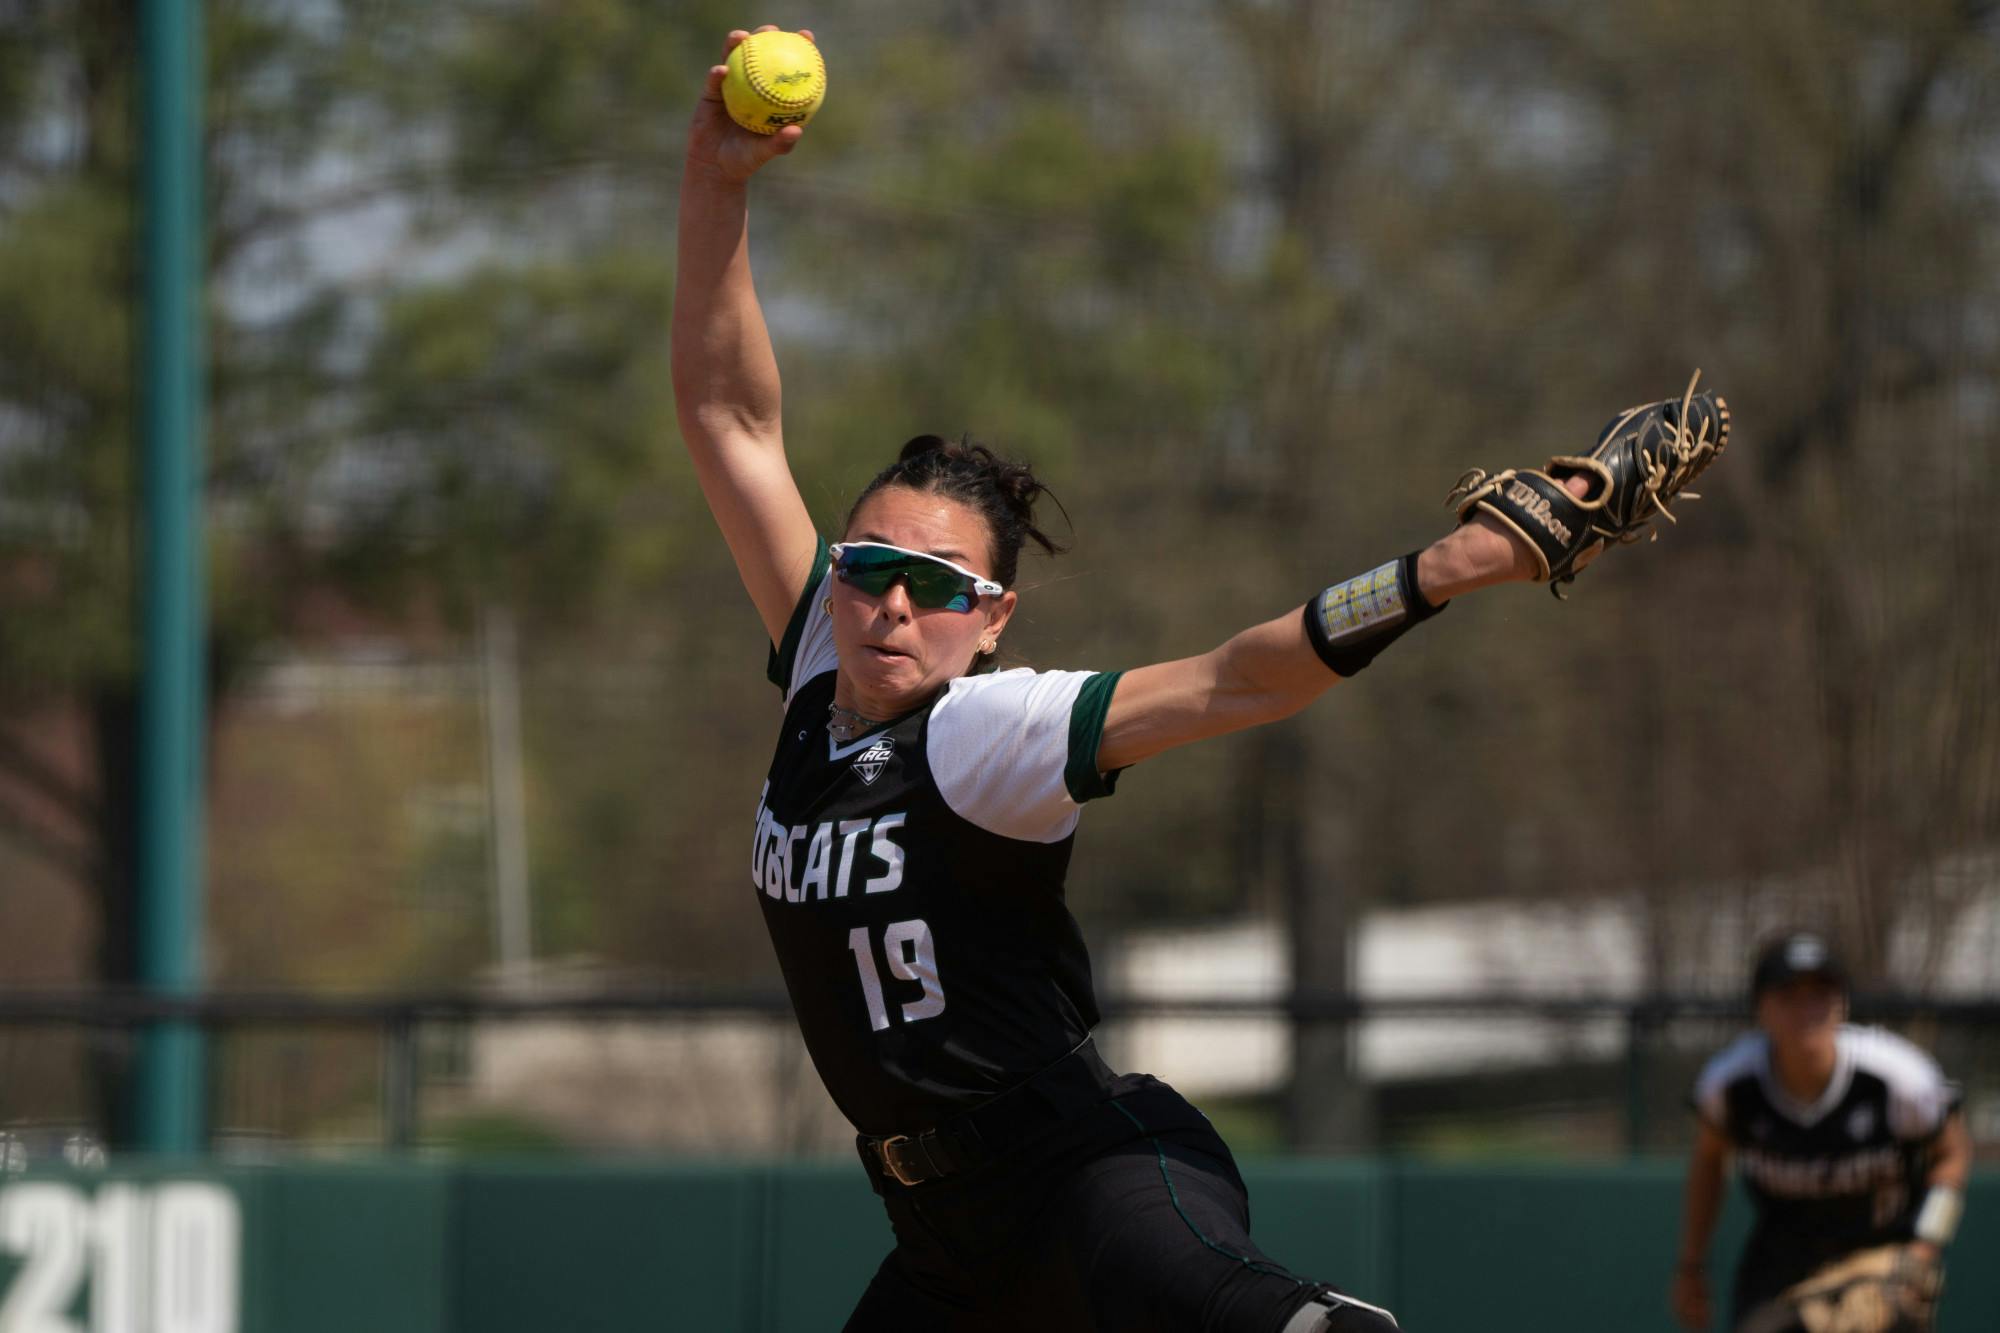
912	880
1846	1171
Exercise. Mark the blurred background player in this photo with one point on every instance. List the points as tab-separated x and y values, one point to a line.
1847	1138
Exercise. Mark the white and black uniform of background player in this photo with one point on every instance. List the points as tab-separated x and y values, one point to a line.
1843	1174
912	882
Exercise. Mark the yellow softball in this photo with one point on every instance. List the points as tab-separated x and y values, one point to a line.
775	79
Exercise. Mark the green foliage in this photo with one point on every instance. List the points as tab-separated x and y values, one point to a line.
63	350
1250	288
518	404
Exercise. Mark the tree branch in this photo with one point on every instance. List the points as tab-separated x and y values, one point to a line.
17	759
75	863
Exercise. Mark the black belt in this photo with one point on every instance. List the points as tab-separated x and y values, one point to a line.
1072	1084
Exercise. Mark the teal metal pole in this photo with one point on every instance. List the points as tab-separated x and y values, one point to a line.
173	567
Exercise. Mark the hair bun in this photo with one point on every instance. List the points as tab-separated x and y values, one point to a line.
1001	491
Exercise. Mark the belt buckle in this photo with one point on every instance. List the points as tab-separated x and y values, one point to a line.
882	1151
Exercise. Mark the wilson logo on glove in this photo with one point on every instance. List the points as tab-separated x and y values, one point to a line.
1644	458
1538	509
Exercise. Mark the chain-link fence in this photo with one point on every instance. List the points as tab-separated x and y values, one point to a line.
715	1074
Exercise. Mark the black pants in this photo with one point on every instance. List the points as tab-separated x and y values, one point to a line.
1129	1218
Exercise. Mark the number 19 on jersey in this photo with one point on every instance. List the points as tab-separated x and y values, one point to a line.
907	947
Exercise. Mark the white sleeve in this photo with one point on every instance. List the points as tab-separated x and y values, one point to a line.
1000	750
1920	1097
1740	1059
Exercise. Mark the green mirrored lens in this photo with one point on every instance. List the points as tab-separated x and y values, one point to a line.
874	582
870	568
933	586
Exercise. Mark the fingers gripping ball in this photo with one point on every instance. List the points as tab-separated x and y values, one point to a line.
775	79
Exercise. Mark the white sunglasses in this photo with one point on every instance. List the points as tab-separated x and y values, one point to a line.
935	584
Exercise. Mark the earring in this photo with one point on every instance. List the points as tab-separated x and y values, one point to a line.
989	645
827	605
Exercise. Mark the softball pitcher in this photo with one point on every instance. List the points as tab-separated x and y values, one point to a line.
916	824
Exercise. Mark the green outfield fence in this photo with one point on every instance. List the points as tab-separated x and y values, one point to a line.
495	1247
404	1239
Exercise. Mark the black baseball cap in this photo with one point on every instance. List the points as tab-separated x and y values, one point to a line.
1799	953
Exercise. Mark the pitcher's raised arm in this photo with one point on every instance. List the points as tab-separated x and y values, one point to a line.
727	396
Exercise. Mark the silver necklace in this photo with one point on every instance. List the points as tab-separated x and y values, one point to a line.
844	724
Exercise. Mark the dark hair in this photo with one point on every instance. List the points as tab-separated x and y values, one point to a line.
1001	491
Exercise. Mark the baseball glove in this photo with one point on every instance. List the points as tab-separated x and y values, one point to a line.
1644	458
1890	1289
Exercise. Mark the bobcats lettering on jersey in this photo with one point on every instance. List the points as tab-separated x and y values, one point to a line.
912	881
780	870
1822	1177
1836	1175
